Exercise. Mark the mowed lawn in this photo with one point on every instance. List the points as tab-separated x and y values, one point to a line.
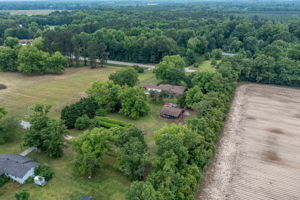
57	90
60	90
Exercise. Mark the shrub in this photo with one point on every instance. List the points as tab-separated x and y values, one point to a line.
82	122
101	112
138	69
87	106
22	195
44	171
106	122
2	87
3	179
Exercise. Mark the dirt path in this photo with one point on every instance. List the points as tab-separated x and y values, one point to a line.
258	154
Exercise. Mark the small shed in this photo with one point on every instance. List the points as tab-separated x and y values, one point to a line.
171	112
25	125
39	180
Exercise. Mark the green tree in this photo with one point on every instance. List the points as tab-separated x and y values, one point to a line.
171	70
31	60
11	42
132	153
127	76
193	95
8	126
90	147
86	106
134	102
56	63
8	59
141	191
46	134
107	94
82	122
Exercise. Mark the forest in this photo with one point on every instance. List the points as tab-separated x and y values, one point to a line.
240	47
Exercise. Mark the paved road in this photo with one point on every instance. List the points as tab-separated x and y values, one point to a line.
113	62
148	66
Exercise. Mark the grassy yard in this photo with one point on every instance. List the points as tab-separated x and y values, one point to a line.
60	90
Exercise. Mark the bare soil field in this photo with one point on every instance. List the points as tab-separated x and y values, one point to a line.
259	151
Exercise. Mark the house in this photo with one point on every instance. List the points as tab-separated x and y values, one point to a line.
173	90
18	168
25	42
170	111
150	88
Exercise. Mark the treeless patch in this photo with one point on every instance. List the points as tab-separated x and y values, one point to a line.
276	130
271	156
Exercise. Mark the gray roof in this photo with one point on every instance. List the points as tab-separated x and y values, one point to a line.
16	165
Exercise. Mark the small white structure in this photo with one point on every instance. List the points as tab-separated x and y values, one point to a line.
39	180
25	125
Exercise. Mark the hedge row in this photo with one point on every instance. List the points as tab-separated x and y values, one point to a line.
106	122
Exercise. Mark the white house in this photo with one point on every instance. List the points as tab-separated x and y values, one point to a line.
18	168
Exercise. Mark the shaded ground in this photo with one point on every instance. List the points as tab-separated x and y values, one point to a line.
258	155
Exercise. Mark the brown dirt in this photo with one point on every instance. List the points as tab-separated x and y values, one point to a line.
258	153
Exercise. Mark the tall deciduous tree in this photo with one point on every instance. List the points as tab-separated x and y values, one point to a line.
90	147
134	102
46	134
171	70
106	94
127	76
132	153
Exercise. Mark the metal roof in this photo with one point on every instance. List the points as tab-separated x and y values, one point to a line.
16	165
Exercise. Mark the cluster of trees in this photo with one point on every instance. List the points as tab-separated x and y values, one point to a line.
129	101
127	144
29	59
183	151
45	133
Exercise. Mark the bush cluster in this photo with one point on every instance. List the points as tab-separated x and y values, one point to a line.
86	106
44	171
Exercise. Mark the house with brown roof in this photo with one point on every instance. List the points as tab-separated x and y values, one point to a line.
170	111
25	41
173	90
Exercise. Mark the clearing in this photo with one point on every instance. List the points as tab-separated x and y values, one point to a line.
258	153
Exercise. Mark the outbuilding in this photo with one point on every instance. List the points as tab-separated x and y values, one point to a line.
171	112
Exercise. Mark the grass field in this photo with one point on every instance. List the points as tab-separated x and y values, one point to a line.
60	90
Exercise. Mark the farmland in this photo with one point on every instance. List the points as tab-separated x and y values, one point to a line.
257	154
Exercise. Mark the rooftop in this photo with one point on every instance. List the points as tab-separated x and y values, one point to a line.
16	165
